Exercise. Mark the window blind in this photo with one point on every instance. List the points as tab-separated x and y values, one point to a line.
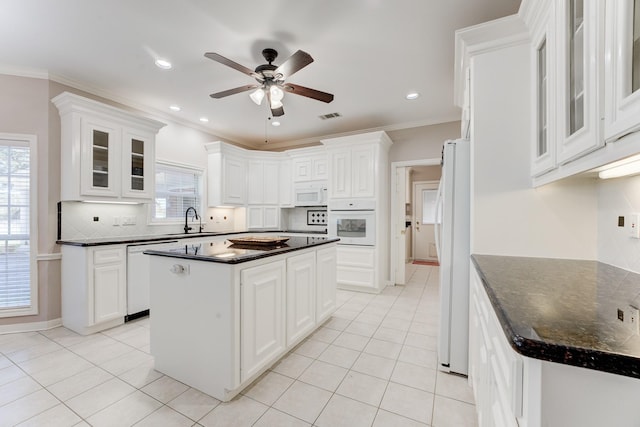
177	188
15	258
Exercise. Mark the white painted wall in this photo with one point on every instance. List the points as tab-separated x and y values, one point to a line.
424	142
508	216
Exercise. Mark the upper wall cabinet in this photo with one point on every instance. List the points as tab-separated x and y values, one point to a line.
108	153
580	38
227	175
309	164
543	79
622	68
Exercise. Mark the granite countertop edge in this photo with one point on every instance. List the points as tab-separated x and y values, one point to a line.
243	258
127	240
614	363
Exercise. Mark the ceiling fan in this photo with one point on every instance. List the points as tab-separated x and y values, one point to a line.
271	79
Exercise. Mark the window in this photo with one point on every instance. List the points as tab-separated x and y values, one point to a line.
18	284
177	188
429	206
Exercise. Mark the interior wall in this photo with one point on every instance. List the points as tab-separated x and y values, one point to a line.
618	197
509	217
423	142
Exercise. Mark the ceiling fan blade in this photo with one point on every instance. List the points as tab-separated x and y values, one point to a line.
309	93
294	63
229	63
233	91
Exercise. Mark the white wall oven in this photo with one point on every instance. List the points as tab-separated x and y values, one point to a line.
354	223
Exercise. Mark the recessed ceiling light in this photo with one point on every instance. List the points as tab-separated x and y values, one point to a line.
163	63
276	123
204	119
174	108
413	95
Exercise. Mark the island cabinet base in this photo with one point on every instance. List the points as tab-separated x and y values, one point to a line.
218	326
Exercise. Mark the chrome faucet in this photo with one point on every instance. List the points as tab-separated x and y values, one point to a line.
186	218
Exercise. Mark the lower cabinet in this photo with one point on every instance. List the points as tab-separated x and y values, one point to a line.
94	287
325	283
356	267
301	296
262	324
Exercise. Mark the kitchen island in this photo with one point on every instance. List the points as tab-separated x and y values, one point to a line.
224	313
554	342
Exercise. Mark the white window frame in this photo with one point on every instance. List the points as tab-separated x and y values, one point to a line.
185	167
30	141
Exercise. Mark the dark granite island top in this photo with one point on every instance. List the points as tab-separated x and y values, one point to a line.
228	253
565	311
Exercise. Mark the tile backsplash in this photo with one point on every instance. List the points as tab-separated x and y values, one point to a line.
297	219
98	220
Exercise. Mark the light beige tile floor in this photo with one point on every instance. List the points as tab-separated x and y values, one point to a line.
372	364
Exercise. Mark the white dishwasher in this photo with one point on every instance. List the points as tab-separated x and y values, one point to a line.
138	284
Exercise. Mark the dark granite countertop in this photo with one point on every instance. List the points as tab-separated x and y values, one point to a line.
118	240
565	311
228	253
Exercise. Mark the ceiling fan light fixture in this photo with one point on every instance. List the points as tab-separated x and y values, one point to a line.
276	93
257	96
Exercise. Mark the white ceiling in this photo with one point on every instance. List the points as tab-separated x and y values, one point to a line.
368	53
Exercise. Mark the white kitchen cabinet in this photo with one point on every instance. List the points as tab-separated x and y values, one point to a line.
285	192
262	182
226	175
325	283
94	286
543	78
353	172
580	41
109	152
263	217
622	68
301	296
262	318
356	267
309	164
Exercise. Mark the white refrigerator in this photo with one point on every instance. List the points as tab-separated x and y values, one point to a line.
453	244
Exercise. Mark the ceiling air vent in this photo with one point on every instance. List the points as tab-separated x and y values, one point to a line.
330	116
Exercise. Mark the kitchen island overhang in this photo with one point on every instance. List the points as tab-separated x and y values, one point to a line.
218	322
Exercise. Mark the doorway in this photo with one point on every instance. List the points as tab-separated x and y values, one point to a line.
424	218
403	175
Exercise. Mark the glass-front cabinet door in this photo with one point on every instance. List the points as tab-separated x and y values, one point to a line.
622	68
543	147
579	29
99	159
137	170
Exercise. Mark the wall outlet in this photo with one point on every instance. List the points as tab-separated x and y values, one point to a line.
128	220
634	226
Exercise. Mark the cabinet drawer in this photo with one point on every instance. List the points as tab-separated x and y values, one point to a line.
106	256
356	257
356	276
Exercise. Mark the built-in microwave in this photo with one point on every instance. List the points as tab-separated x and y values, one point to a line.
310	194
353	223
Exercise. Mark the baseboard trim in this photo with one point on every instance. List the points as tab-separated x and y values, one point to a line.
30	327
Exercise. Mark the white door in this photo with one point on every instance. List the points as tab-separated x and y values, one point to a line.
399	226
424	202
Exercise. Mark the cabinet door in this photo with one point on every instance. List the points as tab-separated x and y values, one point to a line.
255	217
138	165
271	174
622	68
580	35
340	182
100	158
301	296
109	285
271	217
255	182
285	193
543	153
320	169
363	172
302	170
325	284
234	181
262	327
